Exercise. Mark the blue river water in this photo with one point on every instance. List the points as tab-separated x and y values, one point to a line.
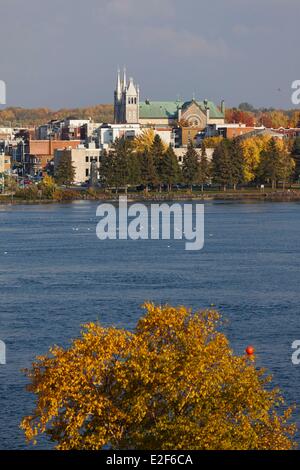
55	275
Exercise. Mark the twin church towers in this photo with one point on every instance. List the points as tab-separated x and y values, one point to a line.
126	100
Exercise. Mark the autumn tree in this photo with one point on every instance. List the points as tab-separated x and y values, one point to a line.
48	186
173	383
190	166
251	148
276	163
144	141
65	171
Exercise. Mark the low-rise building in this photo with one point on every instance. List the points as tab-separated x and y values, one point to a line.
81	158
39	153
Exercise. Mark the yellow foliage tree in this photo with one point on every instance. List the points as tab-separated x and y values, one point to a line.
144	141
173	383
252	148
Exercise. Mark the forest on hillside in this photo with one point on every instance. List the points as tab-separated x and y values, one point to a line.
244	113
23	117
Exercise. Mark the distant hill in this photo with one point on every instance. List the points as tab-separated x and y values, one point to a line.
22	117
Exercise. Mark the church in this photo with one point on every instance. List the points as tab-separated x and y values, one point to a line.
129	109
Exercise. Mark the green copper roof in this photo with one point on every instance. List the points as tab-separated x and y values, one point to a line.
169	109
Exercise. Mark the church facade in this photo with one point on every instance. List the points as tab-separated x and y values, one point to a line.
128	109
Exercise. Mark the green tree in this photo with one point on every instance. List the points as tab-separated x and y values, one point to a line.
65	171
121	154
204	167
106	168
148	169
158	151
222	165
190	166
134	166
237	163
296	156
173	383
169	169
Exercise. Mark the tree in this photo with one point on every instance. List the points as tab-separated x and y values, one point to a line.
48	186
204	167
239	116
190	166
158	151
251	149
221	164
148	170
106	168
276	163
246	107
237	163
173	383
121	154
169	169
65	171
287	165
144	141
296	155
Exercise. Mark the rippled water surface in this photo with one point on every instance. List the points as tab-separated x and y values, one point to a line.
56	275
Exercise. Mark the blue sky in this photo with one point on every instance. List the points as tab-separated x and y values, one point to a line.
65	53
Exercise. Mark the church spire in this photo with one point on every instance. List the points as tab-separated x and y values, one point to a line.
118	88
124	79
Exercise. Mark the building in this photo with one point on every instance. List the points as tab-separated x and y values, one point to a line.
129	109
108	133
82	159
126	101
34	155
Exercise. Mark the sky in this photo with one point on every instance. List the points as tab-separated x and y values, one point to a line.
65	53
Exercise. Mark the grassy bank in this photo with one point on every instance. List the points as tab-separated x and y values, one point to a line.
69	195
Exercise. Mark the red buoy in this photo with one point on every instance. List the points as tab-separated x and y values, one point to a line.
250	350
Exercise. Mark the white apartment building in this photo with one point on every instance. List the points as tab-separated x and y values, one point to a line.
108	133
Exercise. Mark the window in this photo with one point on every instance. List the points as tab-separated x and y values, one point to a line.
87	159
87	172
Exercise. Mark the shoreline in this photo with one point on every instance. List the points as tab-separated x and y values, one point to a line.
272	196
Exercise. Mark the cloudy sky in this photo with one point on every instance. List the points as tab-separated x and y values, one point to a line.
65	53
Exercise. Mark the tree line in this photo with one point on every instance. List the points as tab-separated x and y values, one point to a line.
151	164
234	163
